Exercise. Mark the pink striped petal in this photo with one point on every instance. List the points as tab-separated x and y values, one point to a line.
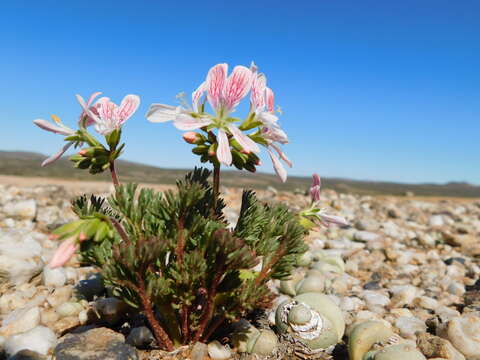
315	188
270	99
332	219
64	253
197	95
186	122
92	97
316	181
58	155
277	165
257	96
161	113
127	108
237	86
245	142
86	108
223	152
282	155
215	84
46	125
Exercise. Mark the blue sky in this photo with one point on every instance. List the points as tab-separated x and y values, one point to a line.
382	90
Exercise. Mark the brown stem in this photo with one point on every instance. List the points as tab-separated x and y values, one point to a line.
160	334
213	327
185	325
114	174
208	312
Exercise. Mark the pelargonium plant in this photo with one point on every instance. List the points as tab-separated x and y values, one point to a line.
173	255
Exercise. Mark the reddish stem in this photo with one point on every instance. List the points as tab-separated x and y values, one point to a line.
160	334
208	312
113	172
213	327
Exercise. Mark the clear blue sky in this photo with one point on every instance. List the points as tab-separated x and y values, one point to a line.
384	90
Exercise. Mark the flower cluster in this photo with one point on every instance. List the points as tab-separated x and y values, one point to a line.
231	144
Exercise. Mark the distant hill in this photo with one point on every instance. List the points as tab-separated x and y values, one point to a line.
28	164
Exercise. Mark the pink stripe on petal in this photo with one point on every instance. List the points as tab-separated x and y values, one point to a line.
46	125
257	96
92	97
247	144
197	95
270	99
64	253
277	165
237	86
186	122
58	155
223	151
316	180
215	84
161	113
128	106
282	155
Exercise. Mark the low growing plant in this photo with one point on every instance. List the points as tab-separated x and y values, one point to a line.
172	254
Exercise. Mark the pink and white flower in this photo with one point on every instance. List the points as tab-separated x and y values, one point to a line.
319	215
59	128
223	93
262	104
107	116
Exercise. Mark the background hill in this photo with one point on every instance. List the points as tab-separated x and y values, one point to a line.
28	164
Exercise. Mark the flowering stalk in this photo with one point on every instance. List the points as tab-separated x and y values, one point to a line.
315	216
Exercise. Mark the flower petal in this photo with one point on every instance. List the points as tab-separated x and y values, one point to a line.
257	96
247	144
277	165
237	86
316	181
127	108
197	95
46	125
64	253
223	151
282	155
161	113
270	99
86	108
215	84
58	155
92	97
186	122
332	219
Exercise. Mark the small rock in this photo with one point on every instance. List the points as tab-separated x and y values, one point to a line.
433	346
59	296
217	351
94	344
20	321
199	351
69	309
111	310
436	221
28	355
54	277
408	326
140	337
91	287
365	236
25	209
39	339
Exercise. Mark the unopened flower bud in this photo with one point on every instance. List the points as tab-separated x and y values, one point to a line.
190	137
243	151
83	152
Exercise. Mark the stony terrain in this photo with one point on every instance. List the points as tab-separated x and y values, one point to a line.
412	263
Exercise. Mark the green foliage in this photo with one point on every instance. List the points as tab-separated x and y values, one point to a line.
174	252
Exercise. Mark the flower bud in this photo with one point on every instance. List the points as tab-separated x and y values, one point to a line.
83	152
192	137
